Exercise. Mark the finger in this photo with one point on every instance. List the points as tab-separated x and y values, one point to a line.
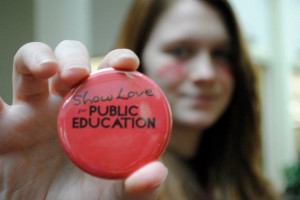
73	59
33	64
146	179
2	106
121	59
145	183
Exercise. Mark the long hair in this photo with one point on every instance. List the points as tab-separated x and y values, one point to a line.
228	160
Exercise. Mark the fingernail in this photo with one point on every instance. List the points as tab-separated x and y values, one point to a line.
164	175
44	58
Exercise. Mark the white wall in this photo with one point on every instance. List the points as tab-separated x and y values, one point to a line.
108	15
57	20
16	28
93	22
269	32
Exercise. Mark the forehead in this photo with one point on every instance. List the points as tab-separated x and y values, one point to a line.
190	19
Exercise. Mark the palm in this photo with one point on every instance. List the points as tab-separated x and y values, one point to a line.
29	146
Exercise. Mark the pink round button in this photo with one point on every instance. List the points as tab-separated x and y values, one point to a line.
114	123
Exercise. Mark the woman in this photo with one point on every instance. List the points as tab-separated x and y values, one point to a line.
194	51
214	150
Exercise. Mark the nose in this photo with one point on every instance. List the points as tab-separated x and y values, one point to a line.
202	68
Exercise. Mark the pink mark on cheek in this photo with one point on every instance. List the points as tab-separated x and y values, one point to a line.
228	70
225	69
172	73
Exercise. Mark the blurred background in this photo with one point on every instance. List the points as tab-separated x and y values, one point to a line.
271	27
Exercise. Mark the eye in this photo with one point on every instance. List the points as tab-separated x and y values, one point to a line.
181	52
222	55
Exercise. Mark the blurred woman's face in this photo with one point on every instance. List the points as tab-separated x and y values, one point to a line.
188	55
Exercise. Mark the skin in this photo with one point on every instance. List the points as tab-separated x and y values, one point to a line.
188	56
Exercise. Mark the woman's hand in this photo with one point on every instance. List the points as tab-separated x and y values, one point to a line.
32	162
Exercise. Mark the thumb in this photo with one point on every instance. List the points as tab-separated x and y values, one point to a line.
2	105
144	184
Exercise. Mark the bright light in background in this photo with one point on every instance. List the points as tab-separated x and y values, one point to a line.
253	17
272	30
295	25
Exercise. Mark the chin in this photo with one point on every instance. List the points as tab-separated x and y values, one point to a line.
200	123
195	118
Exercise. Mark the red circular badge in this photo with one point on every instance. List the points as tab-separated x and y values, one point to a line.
114	123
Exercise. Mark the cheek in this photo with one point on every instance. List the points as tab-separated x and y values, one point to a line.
228	85
228	71
171	73
227	75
